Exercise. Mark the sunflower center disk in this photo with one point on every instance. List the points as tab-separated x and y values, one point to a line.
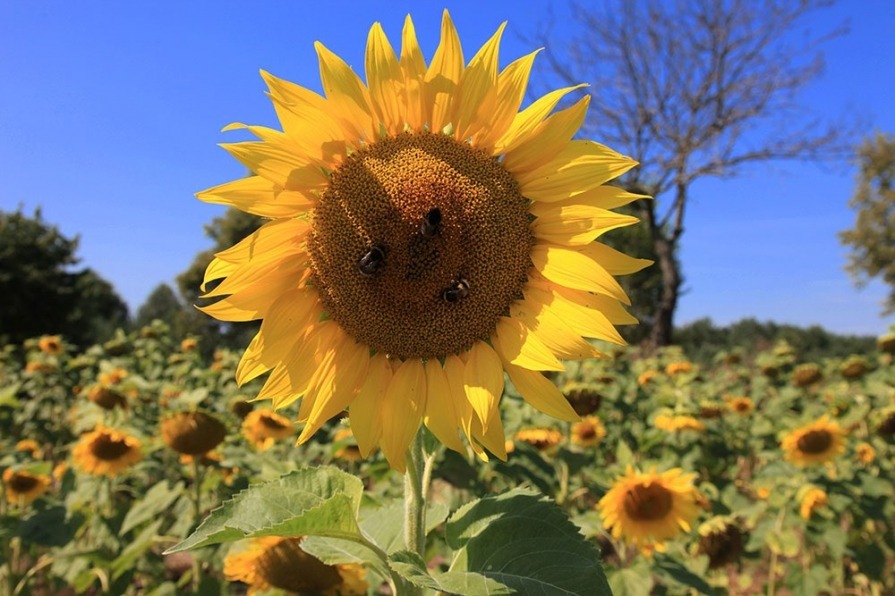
108	449
815	441
419	244
287	567
21	483
648	503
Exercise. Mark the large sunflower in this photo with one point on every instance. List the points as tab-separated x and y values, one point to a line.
106	452
426	236
815	443
648	508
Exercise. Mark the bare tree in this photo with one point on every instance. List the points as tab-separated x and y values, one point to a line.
691	89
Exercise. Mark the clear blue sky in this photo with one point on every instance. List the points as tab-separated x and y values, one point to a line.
110	113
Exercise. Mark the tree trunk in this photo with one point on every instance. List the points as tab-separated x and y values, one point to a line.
661	334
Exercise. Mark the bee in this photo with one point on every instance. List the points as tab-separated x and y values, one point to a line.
431	223
458	290
372	260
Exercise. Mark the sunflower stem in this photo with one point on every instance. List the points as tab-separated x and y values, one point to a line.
416	485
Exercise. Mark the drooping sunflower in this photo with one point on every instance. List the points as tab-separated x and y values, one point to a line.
812	499
806	375
542	439
815	443
275	562
721	539
22	487
740	404
106	452
192	433
588	431
263	428
584	398
426	236
648	508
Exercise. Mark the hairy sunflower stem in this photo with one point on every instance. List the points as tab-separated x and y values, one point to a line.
416	485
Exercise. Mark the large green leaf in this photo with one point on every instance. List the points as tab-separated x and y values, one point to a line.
158	499
385	525
526	543
320	501
676	570
412	568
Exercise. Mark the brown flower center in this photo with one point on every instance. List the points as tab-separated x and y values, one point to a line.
815	441
271	423
648	502
587	431
287	567
22	483
419	244
106	448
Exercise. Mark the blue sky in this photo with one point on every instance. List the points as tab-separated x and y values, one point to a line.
110	114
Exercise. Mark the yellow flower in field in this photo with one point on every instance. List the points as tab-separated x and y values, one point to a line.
426	236
192	433
274	562
189	345
672	424
264	427
865	453
542	439
740	405
678	368
854	367
36	366
806	375
587	432
721	539
31	446
22	487
647	376
50	344
583	397
106	452
812	499
815	443
107	399
646	508
112	377
763	492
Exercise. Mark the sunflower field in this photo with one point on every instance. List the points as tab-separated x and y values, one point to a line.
758	474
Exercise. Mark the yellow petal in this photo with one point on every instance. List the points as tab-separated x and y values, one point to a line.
575	225
259	196
385	80
403	405
584	321
610	307
514	343
443	75
279	165
441	416
493	439
483	381
269	238
548	139
348	371
573	269
603	197
541	393
413	65
259	272
615	262
477	95
365	411
511	85
346	94
455	372
312	349
217	269
253	301
578	168
526	121
556	334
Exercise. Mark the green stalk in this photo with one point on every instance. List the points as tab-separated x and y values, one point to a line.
416	488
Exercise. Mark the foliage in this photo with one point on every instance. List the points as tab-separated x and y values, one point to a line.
872	239
692	90
43	293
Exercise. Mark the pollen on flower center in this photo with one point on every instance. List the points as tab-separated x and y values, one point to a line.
647	503
419	244
815	441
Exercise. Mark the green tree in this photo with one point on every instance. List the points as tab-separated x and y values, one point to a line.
162	304
872	239
43	292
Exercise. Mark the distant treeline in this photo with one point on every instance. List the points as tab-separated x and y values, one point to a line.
702	340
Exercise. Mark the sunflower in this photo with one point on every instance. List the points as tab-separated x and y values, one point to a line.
721	539
812	499
542	439
31	447
678	368
192	433
107	399
583	397
806	375
112	377
587	432
815	443
22	487
106	452
50	344
740	405
886	343
346	449
274	562
865	453
426	236
854	367
263	427
647	376
189	345
646	508
672	424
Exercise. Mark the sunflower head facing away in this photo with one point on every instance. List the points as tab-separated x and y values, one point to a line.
23	487
816	443
425	236
106	452
262	428
192	433
648	508
274	562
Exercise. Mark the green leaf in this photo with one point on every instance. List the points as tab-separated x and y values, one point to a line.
135	549
320	501
623	454
784	542
526	543
334	551
411	567
676	570
158	499
8	396
871	560
631	582
50	527
385	525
